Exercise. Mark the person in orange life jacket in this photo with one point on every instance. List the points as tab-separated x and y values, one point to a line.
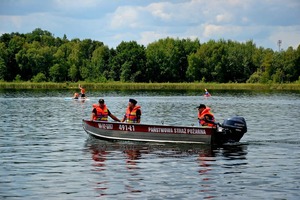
206	118
133	112
82	91
100	112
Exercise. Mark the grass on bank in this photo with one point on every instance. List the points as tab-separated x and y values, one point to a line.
150	86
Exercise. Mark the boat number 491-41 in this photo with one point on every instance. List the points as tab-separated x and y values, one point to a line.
126	127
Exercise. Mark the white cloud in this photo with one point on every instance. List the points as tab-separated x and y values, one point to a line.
159	10
226	17
217	31
124	17
151	36
262	21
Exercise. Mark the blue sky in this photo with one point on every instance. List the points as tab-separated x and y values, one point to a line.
145	21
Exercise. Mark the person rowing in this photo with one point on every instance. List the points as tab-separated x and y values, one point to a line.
206	94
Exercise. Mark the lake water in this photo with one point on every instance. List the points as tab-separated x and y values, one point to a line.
45	153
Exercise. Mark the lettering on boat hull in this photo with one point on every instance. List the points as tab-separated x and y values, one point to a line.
160	130
105	126
176	130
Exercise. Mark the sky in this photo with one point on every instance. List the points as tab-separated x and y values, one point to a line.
265	22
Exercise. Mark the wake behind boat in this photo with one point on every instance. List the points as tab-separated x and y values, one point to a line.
232	130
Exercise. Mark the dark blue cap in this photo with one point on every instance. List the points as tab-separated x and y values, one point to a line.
133	101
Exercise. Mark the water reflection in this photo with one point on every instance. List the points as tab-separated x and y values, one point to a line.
140	161
235	152
134	151
99	156
132	156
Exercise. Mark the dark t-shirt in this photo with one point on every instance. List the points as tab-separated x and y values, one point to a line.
209	117
138	113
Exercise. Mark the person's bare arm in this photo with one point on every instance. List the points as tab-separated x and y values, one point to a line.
114	117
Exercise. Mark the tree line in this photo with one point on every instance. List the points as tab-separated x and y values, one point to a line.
39	56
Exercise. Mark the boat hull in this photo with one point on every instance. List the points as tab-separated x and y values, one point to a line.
149	133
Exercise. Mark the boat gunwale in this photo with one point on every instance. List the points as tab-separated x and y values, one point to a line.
150	125
99	135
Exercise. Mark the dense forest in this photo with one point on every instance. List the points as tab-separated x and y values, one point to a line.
39	56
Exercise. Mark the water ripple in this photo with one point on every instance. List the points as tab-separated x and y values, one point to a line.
46	154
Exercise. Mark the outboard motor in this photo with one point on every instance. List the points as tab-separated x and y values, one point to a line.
234	129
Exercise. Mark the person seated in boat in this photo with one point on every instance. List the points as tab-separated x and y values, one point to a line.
76	95
82	91
205	117
133	112
100	112
207	94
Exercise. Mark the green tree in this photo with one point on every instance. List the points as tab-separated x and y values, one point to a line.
239	61
60	68
196	60
289	67
186	47
297	64
3	61
87	47
74	60
34	58
159	55
263	59
40	77
129	62
58	73
99	66
39	56
206	63
14	46
73	73
42	36
167	59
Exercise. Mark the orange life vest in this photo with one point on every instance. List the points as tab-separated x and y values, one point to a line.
131	114
201	115
82	91
101	113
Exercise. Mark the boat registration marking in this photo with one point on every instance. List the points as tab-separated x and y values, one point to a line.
105	126
126	127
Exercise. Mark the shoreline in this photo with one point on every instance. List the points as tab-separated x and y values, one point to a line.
152	86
